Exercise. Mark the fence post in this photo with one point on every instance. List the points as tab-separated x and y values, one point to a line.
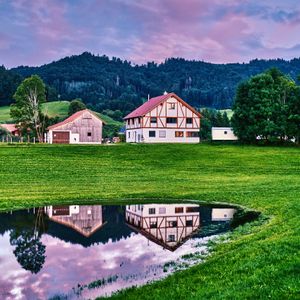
34	139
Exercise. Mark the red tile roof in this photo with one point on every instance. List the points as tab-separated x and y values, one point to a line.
9	127
153	102
72	118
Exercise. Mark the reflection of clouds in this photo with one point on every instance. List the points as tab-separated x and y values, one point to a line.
67	265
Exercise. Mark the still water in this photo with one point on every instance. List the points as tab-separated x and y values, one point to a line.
84	251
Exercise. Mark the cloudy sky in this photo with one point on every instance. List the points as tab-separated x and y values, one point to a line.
34	32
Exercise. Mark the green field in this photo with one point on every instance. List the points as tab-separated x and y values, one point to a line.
228	111
53	109
261	261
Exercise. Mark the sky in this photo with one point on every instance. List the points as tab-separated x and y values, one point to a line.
35	32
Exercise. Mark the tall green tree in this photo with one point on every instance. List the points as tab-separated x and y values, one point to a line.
76	105
26	111
261	107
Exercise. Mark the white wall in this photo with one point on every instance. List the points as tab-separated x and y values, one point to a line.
223	134
222	214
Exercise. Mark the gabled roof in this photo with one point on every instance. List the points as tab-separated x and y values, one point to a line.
153	102
9	127
73	118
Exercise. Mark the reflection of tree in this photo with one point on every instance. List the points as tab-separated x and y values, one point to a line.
29	251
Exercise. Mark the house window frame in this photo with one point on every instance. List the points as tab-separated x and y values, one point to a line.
153	120
152	134
189	121
179	134
171	120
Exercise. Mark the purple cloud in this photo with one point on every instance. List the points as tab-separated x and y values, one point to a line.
37	32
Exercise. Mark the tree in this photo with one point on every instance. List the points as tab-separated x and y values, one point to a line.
76	105
26	111
29	251
261	107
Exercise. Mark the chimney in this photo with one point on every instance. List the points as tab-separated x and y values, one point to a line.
165	93
148	97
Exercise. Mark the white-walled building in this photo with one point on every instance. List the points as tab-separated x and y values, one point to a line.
163	119
223	134
168	225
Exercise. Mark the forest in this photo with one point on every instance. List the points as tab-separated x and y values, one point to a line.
113	84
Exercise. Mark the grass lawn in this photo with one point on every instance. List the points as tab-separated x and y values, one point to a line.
259	262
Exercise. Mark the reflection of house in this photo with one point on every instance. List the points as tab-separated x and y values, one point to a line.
222	214
86	219
168	225
83	127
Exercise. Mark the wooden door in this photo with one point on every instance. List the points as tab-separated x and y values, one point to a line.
61	137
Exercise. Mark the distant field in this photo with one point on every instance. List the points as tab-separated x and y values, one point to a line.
54	109
228	111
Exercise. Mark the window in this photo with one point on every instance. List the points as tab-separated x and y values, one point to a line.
171	105
151	133
162	133
162	210
153	224
128	134
225	132
172	120
89	134
189	223
172	223
192	209
171	238
151	211
192	134
189	120
178	210
178	133
153	120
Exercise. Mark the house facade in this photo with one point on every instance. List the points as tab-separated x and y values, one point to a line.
83	127
168	225
163	119
223	134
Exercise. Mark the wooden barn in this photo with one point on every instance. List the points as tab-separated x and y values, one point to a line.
83	127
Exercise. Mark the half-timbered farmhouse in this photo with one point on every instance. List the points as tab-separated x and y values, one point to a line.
163	119
83	127
168	225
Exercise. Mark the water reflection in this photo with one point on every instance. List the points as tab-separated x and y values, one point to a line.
52	249
166	225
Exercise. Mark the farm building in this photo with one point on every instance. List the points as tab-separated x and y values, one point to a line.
163	119
85	219
11	129
83	127
167	225
223	134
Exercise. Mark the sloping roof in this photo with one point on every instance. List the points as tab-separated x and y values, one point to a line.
153	102
73	118
9	127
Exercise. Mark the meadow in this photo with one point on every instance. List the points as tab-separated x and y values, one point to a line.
260	261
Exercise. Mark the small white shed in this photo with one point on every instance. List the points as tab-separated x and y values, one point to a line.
223	134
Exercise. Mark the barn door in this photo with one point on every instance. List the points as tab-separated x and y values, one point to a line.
61	137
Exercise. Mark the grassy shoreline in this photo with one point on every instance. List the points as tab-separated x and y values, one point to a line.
259	261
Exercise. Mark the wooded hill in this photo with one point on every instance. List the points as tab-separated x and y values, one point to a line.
114	84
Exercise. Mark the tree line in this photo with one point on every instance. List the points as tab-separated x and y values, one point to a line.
116	85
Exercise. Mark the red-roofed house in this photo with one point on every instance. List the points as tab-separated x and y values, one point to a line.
11	128
163	119
83	127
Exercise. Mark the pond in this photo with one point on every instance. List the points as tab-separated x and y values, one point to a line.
84	251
